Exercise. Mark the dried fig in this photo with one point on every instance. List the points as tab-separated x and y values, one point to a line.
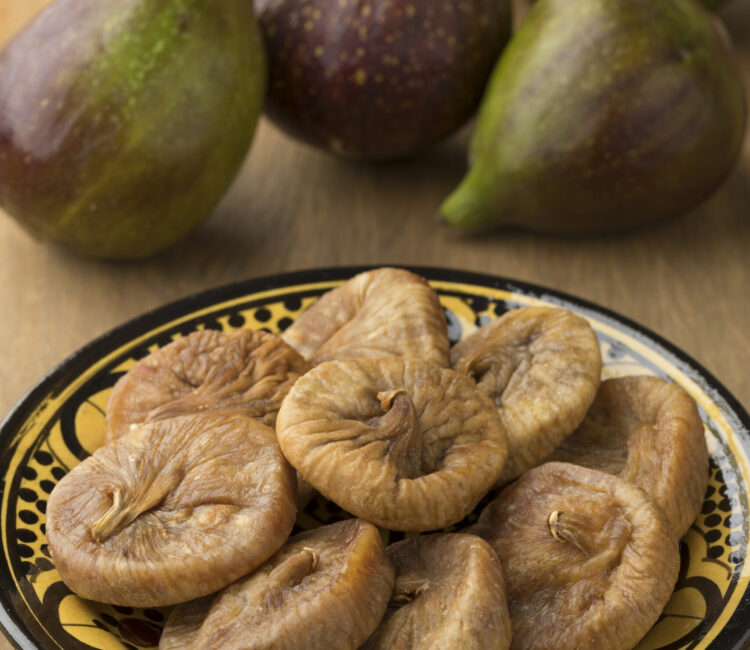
326	588
175	509
400	442
449	593
206	370
184	623
647	431
541	366
378	313
590	560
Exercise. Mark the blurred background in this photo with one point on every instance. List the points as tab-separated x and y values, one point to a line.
293	207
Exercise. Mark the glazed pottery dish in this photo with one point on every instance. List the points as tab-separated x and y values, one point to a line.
61	422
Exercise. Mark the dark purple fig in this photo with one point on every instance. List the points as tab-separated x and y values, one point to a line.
603	115
123	122
376	79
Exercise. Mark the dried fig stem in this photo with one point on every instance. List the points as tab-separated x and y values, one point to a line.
552	522
293	570
570	529
400	424
400	415
408	588
125	510
287	575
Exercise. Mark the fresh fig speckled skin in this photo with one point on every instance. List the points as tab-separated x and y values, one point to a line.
603	115
123	122
379	79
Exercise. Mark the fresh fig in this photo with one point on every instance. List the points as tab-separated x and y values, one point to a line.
376	79
603	115
123	122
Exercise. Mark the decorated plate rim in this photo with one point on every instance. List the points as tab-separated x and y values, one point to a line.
55	379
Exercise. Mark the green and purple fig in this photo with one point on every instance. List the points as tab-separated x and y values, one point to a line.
379	79
123	122
603	115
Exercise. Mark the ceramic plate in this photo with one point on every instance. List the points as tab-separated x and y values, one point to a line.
61	421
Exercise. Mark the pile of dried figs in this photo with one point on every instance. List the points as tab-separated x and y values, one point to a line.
214	441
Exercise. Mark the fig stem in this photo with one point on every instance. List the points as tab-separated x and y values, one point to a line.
569	530
465	207
124	511
408	588
400	425
104	527
399	418
400	415
293	570
552	522
287	575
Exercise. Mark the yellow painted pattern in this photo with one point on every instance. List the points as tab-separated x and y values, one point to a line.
76	618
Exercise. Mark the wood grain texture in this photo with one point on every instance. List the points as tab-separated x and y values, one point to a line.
292	208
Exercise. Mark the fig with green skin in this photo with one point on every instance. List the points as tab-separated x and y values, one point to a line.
123	122
603	115
377	79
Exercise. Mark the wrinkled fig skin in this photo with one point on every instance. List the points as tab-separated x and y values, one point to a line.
378	79
123	122
603	115
207	370
377	313
590	560
174	510
646	431
449	593
542	367
326	588
399	442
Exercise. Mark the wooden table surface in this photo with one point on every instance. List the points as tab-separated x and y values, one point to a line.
295	208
